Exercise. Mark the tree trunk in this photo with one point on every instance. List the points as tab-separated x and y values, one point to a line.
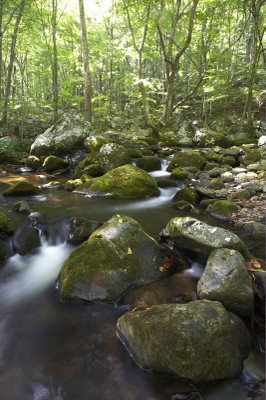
172	62
86	64
55	62
11	62
1	45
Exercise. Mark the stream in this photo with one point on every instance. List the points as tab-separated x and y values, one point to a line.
51	350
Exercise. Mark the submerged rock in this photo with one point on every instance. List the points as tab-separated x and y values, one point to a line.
199	341
62	138
117	256
225	279
21	189
191	234
126	181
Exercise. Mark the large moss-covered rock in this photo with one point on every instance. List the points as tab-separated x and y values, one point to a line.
62	138
225	279
23	188
189	158
53	163
126	181
199	341
192	234
117	256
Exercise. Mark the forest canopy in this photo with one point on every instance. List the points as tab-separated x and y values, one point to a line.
147	61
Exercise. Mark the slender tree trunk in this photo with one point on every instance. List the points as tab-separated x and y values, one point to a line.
254	57
139	49
55	61
172	61
1	46
86	64
11	62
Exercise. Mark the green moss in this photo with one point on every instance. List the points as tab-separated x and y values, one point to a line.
21	189
188	158
149	163
216	184
224	207
33	162
179	174
126	181
94	170
229	160
4	223
252	156
186	194
53	163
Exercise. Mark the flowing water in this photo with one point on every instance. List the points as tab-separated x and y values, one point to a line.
61	351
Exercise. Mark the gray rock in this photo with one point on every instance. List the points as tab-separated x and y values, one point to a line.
113	155
199	341
62	138
80	229
117	256
191	234
25	240
225	279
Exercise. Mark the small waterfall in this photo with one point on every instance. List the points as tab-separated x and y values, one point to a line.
23	277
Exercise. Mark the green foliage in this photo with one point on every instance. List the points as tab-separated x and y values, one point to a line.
217	73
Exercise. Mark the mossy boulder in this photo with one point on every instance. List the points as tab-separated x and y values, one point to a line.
192	234
251	156
205	137
229	160
94	142
189	158
53	163
216	184
149	163
187	194
33	162
21	206
179	174
199	341
225	279
126	181
117	256
113	155
23	188
5	225
223	208
242	194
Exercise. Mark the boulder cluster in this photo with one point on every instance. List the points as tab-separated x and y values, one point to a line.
205	338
